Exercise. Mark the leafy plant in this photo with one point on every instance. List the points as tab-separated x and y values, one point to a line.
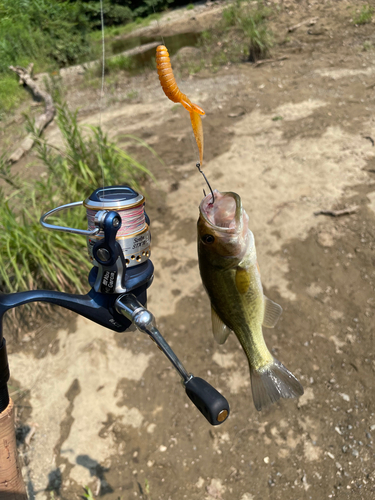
88	493
251	21
364	16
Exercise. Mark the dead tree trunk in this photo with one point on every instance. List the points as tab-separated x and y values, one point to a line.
41	122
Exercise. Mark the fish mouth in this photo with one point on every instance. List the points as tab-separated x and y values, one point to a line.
225	214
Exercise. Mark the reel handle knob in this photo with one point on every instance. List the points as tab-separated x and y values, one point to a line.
213	406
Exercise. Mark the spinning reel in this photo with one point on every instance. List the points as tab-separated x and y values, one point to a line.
118	241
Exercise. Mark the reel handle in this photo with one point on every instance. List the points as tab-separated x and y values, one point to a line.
213	406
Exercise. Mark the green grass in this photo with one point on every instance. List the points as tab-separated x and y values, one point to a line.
32	257
112	31
11	94
364	16
88	494
119	63
132	94
190	6
367	46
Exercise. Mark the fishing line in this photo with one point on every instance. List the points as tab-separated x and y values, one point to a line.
133	220
157	23
102	89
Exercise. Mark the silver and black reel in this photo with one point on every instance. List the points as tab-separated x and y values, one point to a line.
118	238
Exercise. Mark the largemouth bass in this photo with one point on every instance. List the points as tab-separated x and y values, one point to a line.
230	274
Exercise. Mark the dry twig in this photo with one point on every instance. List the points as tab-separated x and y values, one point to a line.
265	61
309	22
26	79
29	435
338	213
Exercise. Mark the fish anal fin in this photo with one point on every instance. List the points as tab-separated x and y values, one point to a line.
219	329
243	279
272	313
273	382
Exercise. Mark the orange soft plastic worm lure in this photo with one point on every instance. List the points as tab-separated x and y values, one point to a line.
171	90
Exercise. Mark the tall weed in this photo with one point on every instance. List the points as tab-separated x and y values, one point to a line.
251	21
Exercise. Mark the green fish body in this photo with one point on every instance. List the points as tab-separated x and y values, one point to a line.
231	277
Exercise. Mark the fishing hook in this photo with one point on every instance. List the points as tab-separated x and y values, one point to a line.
198	165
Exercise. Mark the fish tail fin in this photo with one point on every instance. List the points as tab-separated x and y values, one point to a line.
272	382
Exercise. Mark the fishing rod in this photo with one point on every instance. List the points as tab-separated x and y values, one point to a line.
119	246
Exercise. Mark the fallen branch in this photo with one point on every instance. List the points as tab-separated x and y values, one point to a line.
29	435
41	122
265	61
309	22
338	213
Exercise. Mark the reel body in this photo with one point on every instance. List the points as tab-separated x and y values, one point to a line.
118	238
134	235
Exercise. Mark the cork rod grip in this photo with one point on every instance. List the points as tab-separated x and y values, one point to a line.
12	486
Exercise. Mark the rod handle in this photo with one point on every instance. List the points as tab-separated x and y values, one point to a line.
213	406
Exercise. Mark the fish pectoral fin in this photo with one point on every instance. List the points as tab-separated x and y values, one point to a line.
219	329
272	313
243	279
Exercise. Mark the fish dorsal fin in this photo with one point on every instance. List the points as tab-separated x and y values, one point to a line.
272	313
219	329
243	279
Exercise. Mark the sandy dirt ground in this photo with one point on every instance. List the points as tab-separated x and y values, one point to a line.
291	138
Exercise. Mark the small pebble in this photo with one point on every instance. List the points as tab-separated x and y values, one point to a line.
355	453
344	396
162	448
266	460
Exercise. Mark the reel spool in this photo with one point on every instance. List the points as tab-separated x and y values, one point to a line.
134	235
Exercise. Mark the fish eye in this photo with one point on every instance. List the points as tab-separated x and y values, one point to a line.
208	238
